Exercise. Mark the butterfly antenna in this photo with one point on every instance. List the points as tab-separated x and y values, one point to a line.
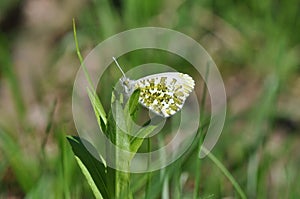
119	66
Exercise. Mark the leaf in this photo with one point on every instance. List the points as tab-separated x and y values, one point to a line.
116	127
111	128
100	177
98	109
130	110
136	142
89	178
7	69
96	103
26	172
130	114
133	102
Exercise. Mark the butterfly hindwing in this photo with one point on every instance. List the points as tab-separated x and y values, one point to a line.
165	93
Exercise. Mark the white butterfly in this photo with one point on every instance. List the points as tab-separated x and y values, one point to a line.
162	93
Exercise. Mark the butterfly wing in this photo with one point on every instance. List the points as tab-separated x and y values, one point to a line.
165	93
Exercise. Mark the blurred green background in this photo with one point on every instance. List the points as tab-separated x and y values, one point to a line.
254	43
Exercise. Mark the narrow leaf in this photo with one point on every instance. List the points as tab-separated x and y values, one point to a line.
136	142
26	172
100	174
130	110
98	109
89	178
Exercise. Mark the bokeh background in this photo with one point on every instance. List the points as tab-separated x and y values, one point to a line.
254	43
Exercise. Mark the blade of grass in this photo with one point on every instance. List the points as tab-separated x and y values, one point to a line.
160	180
252	172
164	177
98	109
226	173
95	172
89	178
261	119
201	137
176	180
7	68
48	129
149	174
95	100
25	172
124	116
67	163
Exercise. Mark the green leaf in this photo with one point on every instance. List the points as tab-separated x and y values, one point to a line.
98	175
26	172
111	128
98	109
96	103
133	102
136	142
89	178
130	110
130	114
6	66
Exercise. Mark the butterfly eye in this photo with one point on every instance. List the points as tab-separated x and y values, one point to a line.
123	81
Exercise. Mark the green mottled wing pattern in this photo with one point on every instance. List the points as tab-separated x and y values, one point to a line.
165	93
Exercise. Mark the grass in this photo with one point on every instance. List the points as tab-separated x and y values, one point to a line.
256	47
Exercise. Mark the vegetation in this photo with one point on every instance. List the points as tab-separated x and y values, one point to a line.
254	44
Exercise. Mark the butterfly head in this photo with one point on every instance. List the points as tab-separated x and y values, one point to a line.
128	85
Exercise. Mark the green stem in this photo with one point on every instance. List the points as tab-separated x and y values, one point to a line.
123	185
198	167
225	172
122	162
149	175
201	137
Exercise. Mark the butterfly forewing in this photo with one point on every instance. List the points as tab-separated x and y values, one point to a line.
165	93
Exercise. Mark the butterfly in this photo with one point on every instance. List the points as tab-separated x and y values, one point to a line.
162	93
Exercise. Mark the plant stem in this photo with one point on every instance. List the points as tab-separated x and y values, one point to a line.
201	137
225	172
123	185
149	175
123	166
